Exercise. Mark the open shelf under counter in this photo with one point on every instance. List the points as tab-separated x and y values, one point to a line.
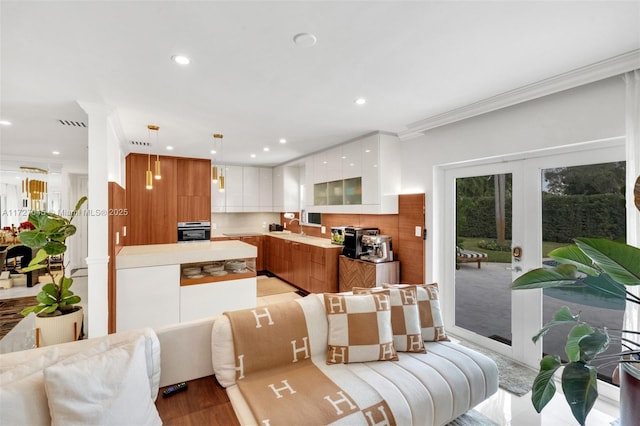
230	275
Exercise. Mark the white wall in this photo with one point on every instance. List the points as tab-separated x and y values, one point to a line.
587	113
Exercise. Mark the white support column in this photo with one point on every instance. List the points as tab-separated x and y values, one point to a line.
98	204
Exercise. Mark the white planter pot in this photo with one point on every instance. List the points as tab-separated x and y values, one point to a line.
60	329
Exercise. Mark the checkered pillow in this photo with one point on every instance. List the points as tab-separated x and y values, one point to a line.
430	313
359	328
405	317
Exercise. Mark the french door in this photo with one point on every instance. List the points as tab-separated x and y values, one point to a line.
495	208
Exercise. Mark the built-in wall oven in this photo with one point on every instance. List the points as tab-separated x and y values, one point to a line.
189	232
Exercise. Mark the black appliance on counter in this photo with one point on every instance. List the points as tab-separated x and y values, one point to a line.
353	247
275	227
190	232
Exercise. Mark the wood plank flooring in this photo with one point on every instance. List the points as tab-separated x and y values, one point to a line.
204	402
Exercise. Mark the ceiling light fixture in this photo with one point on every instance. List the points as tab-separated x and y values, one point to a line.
283	140
5	122
35	190
360	101
217	174
55	152
265	149
253	156
305	40
181	60
157	174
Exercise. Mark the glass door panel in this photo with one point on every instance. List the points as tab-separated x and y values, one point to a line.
483	273
582	201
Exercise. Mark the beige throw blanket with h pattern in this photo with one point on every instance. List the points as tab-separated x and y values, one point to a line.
279	380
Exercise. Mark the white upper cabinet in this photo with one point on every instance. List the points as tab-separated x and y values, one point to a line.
286	189
309	177
234	187
351	158
247	189
266	189
374	158
334	164
251	189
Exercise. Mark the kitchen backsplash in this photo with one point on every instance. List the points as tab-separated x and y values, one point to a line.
242	222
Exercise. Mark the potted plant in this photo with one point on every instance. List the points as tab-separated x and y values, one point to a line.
598	267
56	311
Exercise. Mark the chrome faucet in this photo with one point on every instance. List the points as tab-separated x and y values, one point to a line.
298	220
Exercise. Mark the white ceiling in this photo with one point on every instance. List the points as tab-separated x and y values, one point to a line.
249	81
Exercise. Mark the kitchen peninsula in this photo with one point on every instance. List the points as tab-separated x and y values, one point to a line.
152	288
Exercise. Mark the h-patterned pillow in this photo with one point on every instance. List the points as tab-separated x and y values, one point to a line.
359	328
431	320
405	317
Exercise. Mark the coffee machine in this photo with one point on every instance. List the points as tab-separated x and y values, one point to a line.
353	240
378	248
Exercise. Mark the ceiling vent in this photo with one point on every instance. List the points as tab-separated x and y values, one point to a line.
72	123
138	143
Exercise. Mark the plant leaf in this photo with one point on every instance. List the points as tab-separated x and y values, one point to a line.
620	261
72	300
572	347
562	316
33	239
66	282
580	387
572	255
50	309
593	344
54	248
79	204
562	275
543	386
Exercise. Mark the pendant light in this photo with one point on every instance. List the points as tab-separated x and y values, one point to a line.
149	174
214	168
156	175
35	190
220	170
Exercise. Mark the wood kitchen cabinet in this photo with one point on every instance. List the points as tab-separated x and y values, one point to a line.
153	213
194	190
308	267
182	195
257	241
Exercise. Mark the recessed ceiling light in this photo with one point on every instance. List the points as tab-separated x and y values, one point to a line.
253	156
265	149
5	122
55	152
182	60
304	39
169	148
213	151
360	101
283	140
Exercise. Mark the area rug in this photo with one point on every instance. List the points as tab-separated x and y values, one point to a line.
472	418
268	286
10	312
513	377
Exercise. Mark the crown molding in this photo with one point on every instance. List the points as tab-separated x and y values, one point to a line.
600	70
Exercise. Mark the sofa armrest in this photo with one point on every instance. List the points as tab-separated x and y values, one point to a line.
185	351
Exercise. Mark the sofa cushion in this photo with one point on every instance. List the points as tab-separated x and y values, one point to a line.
109	388
405	317
431	319
359	328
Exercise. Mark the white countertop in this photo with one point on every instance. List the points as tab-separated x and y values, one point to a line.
314	241
175	254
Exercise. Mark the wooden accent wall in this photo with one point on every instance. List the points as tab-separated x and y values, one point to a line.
411	254
117	222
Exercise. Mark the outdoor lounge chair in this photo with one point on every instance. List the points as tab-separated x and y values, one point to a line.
467	256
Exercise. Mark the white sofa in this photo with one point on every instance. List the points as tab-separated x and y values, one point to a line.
431	388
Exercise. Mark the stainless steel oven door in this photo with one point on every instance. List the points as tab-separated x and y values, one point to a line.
193	231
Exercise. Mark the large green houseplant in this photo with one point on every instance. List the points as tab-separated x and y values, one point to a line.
598	267
49	234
